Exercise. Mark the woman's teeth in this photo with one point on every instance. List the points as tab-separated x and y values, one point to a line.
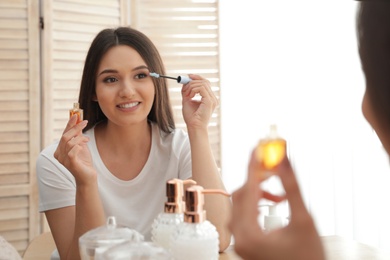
128	105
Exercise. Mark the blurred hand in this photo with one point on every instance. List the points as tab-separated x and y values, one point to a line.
298	240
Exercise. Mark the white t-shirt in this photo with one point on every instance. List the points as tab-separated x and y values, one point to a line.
135	203
8	251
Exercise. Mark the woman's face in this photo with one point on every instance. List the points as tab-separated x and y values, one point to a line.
124	90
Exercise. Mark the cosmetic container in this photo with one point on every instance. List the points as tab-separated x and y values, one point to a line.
196	238
144	250
270	152
96	241
167	222
78	111
273	220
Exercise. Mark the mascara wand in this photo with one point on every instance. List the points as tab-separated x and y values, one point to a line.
179	79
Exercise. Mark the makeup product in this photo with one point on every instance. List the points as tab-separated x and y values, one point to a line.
167	222
130	250
273	220
95	242
179	79
270	152
78	111
196	237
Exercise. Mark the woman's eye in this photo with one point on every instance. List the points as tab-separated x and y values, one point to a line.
141	76
110	80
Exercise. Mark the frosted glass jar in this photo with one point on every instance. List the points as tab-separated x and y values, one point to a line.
163	228
137	251
195	241
94	242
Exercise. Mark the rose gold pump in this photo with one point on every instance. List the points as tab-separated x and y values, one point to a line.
194	200
174	192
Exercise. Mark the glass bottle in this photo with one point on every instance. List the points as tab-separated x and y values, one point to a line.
167	222
76	110
196	237
270	152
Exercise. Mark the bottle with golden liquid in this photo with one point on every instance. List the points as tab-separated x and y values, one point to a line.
270	152
76	110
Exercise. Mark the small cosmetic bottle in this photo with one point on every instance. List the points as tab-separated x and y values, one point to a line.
272	220
270	152
196	238
78	111
167	222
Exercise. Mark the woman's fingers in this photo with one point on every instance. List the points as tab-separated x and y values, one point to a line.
74	130
250	193
291	186
273	197
245	211
75	145
245	200
200	86
71	131
71	122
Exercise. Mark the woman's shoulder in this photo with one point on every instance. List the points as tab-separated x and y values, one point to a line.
49	149
175	134
90	132
7	251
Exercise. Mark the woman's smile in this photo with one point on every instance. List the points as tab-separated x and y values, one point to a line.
129	105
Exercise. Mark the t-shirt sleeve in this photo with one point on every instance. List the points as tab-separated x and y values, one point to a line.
56	185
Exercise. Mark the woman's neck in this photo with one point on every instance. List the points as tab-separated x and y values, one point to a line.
120	139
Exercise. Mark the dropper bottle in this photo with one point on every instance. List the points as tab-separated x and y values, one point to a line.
166	223
196	238
270	152
76	110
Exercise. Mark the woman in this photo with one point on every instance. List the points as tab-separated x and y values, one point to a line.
117	161
300	239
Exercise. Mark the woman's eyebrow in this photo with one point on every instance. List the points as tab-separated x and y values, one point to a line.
115	71
140	67
107	71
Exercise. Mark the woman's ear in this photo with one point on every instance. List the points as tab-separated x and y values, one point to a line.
94	98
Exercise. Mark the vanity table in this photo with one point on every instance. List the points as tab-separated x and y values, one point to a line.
336	248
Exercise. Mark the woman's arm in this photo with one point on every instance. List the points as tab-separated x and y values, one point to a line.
205	173
204	169
69	223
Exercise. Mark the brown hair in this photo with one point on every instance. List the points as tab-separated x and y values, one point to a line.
161	112
373	29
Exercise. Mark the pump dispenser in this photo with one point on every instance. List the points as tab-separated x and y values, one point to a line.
273	220
196	238
270	152
167	222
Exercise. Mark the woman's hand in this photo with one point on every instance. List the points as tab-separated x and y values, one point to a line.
197	113
298	240
73	152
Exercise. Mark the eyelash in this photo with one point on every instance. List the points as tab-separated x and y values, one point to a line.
144	75
113	79
110	80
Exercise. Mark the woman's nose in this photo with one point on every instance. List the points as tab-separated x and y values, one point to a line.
127	89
